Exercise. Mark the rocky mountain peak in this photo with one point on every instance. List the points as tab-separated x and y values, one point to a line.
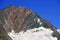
22	19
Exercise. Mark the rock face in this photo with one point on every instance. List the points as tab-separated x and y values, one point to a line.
22	19
17	18
3	34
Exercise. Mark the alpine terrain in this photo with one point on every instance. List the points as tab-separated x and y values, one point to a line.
19	23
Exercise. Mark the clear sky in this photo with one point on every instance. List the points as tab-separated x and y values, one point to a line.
47	9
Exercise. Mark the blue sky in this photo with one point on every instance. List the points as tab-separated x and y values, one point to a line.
47	9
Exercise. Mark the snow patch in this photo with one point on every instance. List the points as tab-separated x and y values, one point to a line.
39	21
58	30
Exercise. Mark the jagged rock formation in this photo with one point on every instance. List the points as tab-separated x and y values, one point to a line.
22	19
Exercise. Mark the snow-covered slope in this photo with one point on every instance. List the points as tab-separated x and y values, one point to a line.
40	33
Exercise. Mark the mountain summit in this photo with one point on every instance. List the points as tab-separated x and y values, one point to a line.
19	23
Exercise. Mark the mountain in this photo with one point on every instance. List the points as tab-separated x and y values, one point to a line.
19	23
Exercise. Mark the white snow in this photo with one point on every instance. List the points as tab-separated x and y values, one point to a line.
41	34
58	30
39	21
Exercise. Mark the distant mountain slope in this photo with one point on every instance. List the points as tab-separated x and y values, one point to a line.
19	19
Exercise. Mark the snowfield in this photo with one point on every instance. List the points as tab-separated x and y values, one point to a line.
40	33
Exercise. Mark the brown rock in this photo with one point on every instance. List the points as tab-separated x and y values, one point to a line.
16	18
